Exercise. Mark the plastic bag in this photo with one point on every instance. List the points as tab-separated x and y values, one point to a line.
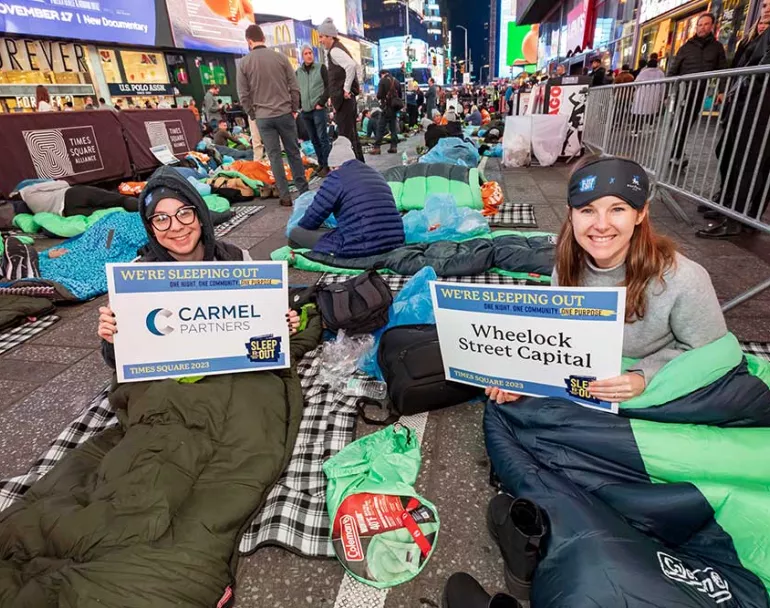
492	194
340	357
517	141
495	151
412	306
300	206
307	148
548	134
453	151
443	220
203	189
382	531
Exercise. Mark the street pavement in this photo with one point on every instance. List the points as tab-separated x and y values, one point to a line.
47	381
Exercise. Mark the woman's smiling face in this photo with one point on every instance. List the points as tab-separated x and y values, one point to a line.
604	229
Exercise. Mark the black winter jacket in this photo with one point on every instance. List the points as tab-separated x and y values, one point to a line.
698	55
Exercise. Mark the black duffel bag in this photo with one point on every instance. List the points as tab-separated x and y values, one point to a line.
410	360
360	305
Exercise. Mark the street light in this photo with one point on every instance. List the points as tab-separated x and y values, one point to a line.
466	43
481	69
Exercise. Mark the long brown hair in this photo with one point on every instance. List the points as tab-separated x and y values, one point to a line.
649	257
41	94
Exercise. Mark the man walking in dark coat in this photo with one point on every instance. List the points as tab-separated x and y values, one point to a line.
344	78
701	53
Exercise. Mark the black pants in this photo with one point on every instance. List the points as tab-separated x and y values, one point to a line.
84	200
412	110
747	144
388	120
689	114
300	238
345	118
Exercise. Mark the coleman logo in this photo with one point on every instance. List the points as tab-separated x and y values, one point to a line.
351	541
57	153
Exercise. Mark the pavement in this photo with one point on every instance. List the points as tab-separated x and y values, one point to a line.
46	382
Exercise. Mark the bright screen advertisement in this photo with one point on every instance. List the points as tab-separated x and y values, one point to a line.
393	53
303	10
120	21
354	16
507	15
211	25
521	48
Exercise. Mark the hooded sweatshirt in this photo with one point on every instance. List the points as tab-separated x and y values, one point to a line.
213	250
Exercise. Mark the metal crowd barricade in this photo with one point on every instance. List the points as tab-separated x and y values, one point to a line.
703	137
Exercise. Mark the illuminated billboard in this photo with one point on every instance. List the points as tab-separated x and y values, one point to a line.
312	10
393	53
210	25
520	49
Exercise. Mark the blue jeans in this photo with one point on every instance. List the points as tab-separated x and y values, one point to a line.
316	122
274	131
235	154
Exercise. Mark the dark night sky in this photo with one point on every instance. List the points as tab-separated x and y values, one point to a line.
472	14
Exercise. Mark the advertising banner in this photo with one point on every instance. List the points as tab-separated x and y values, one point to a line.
198	319
652	8
567	96
540	341
392	52
576	25
145	129
308	10
354	14
211	25
77	146
136	89
117	21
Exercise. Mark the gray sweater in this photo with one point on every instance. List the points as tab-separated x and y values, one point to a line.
681	315
267	85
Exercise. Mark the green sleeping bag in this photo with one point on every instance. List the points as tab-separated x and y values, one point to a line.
412	184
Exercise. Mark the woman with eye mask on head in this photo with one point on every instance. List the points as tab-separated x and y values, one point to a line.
608	240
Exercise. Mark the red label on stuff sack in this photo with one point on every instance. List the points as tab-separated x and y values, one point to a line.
361	517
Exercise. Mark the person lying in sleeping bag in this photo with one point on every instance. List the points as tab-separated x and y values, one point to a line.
607	241
180	229
368	222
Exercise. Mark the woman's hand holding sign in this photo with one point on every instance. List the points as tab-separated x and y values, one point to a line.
619	389
501	396
293	319
108	327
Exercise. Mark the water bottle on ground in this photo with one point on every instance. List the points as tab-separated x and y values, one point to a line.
404	159
373	389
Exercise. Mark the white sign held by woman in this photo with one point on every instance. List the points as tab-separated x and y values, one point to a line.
184	319
541	341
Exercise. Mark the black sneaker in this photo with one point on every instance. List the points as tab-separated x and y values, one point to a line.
464	591
19	260
518	526
721	230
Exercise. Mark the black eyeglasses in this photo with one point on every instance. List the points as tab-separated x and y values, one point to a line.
162	221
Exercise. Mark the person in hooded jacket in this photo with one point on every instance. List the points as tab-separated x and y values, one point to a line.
180	229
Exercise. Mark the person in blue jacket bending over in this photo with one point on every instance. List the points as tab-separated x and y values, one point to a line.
368	222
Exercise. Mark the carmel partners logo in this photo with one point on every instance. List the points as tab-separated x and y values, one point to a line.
63	152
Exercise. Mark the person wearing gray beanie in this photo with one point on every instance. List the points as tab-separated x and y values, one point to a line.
345	74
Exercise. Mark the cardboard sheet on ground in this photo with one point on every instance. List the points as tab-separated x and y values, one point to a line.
198	319
541	341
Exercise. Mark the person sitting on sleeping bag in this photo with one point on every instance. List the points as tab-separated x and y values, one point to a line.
180	229
368	222
608	241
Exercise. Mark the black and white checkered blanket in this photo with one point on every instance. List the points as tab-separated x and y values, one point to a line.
760	349
396	282
514	215
241	215
21	333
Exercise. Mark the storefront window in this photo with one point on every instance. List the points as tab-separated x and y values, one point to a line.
43	62
655	40
177	69
143	67
212	71
731	24
685	29
109	63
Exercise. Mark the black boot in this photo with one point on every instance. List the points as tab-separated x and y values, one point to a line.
722	230
464	591
518	526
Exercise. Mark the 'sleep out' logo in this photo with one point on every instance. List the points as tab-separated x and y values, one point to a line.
157	322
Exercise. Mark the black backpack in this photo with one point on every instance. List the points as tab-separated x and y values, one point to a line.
411	363
359	306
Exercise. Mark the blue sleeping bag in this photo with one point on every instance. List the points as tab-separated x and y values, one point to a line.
116	238
453	151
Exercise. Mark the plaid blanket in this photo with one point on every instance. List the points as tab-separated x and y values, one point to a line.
241	215
514	215
396	282
760	349
21	333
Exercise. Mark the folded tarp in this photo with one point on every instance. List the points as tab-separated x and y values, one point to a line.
518	254
412	184
666	504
